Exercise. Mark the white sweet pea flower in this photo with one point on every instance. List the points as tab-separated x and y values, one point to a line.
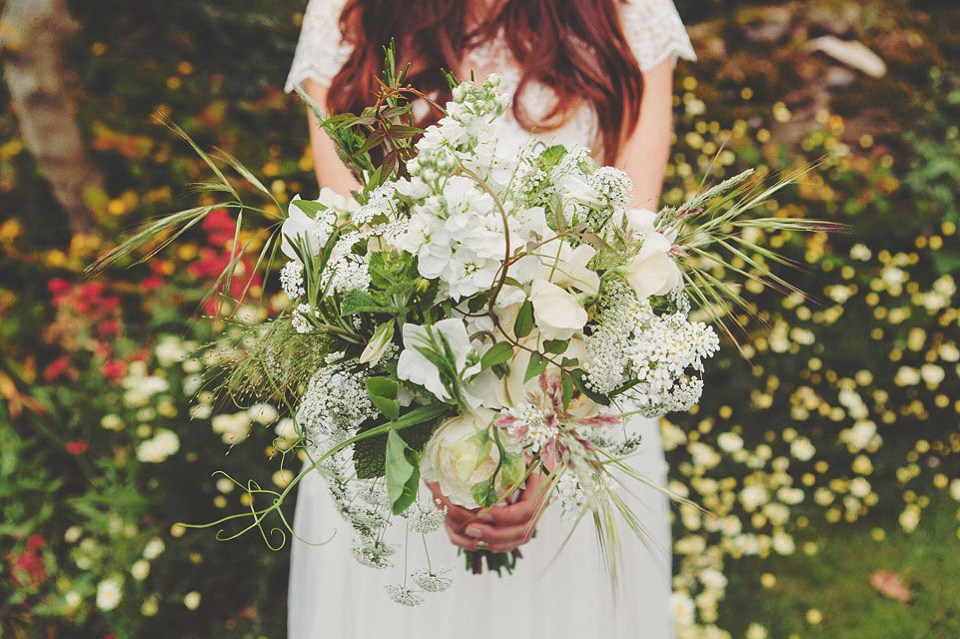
312	231
568	267
641	221
652	271
558	314
414	367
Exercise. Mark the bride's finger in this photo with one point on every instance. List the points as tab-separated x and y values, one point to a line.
495	540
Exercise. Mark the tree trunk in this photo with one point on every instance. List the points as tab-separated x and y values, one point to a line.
31	32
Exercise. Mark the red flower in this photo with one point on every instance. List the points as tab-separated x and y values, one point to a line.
151	283
114	369
29	564
77	447
108	327
58	286
220	228
56	368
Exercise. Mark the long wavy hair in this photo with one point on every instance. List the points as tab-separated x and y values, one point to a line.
576	47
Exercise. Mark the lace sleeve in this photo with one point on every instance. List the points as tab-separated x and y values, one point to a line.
321	51
654	32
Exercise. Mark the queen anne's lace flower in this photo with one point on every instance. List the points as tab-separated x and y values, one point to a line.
404	596
373	553
426	519
291	279
431	581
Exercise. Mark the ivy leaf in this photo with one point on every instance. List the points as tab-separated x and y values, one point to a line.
498	354
524	323
538	364
402	473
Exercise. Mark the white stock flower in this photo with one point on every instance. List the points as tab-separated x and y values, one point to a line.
652	271
558	314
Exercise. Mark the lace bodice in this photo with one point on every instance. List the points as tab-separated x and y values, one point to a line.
652	29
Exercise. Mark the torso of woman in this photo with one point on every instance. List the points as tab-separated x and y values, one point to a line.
551	593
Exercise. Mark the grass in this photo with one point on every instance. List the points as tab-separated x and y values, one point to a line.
835	581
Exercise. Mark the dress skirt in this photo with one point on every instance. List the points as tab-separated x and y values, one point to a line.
559	596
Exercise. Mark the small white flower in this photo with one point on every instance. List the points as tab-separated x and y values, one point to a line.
140	569
414	367
802	448
109	593
153	549
262	413
156	449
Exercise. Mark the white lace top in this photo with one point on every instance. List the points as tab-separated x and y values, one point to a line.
652	28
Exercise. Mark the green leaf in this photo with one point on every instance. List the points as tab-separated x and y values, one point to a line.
310	207
484	493
555	346
383	394
538	364
551	155
524	323
475	303
577	374
369	454
357	301
402	472
498	354
567	382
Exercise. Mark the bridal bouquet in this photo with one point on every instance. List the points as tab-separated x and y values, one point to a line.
480	312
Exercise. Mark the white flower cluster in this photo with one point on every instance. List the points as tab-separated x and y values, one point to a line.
634	344
291	279
334	405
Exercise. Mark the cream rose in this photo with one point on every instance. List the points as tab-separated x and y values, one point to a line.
652	271
458	460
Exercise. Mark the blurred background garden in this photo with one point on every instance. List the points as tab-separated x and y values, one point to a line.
827	453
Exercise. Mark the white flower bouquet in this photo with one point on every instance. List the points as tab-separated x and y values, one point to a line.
478	313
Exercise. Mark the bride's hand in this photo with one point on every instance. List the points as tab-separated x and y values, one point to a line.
500	528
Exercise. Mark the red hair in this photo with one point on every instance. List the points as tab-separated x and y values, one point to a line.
576	47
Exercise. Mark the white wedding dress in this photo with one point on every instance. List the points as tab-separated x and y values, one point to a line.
560	596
